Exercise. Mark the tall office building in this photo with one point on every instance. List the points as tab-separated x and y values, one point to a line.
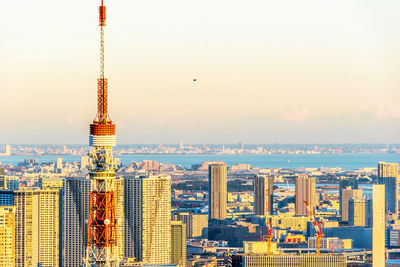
148	218
84	162
357	209
3	182
344	183
195	223
368	212
347	194
378	228
8	150
74	228
217	191
263	194
37	227
178	242
59	165
119	214
6	198
388	175
7	236
305	191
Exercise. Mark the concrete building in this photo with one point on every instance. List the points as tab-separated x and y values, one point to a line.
357	209
59	165
388	175
305	191
37	227
217	188
7	236
331	243
292	260
74	228
195	223
119	214
347	194
178	242
345	182
84	162
263	195
378	229
6	198
3	182
148	218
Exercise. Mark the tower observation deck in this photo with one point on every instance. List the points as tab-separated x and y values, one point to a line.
102	240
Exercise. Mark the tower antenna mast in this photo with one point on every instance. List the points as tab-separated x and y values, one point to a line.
102	249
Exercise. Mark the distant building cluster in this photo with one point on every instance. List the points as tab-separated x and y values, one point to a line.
210	215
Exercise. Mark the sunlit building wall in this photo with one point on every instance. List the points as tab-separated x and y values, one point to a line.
7	236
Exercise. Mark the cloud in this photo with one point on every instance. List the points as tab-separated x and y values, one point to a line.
298	115
388	111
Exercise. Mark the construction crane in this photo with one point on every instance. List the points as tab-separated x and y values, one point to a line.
317	226
102	250
268	237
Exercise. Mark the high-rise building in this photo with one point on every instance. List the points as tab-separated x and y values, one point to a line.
74	227
37	227
178	242
263	194
7	236
119	214
357	208
305	191
3	182
347	194
217	191
148	218
345	182
388	175
59	165
195	223
368	212
84	162
6	198
378	228
8	150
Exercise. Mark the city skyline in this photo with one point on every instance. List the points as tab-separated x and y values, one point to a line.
342	86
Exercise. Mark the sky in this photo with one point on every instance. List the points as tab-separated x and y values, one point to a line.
267	71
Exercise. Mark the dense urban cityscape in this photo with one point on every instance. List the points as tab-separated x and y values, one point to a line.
200	205
211	214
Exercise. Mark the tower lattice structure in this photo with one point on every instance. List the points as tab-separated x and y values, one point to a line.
102	247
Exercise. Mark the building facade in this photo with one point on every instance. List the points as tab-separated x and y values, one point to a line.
178	242
7	236
305	191
357	209
388	175
37	227
217	191
263	195
378	228
74	228
148	218
347	194
292	260
195	223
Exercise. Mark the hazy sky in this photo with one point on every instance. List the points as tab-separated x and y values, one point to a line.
267	71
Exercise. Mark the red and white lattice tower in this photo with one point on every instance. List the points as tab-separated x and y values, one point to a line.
102	247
